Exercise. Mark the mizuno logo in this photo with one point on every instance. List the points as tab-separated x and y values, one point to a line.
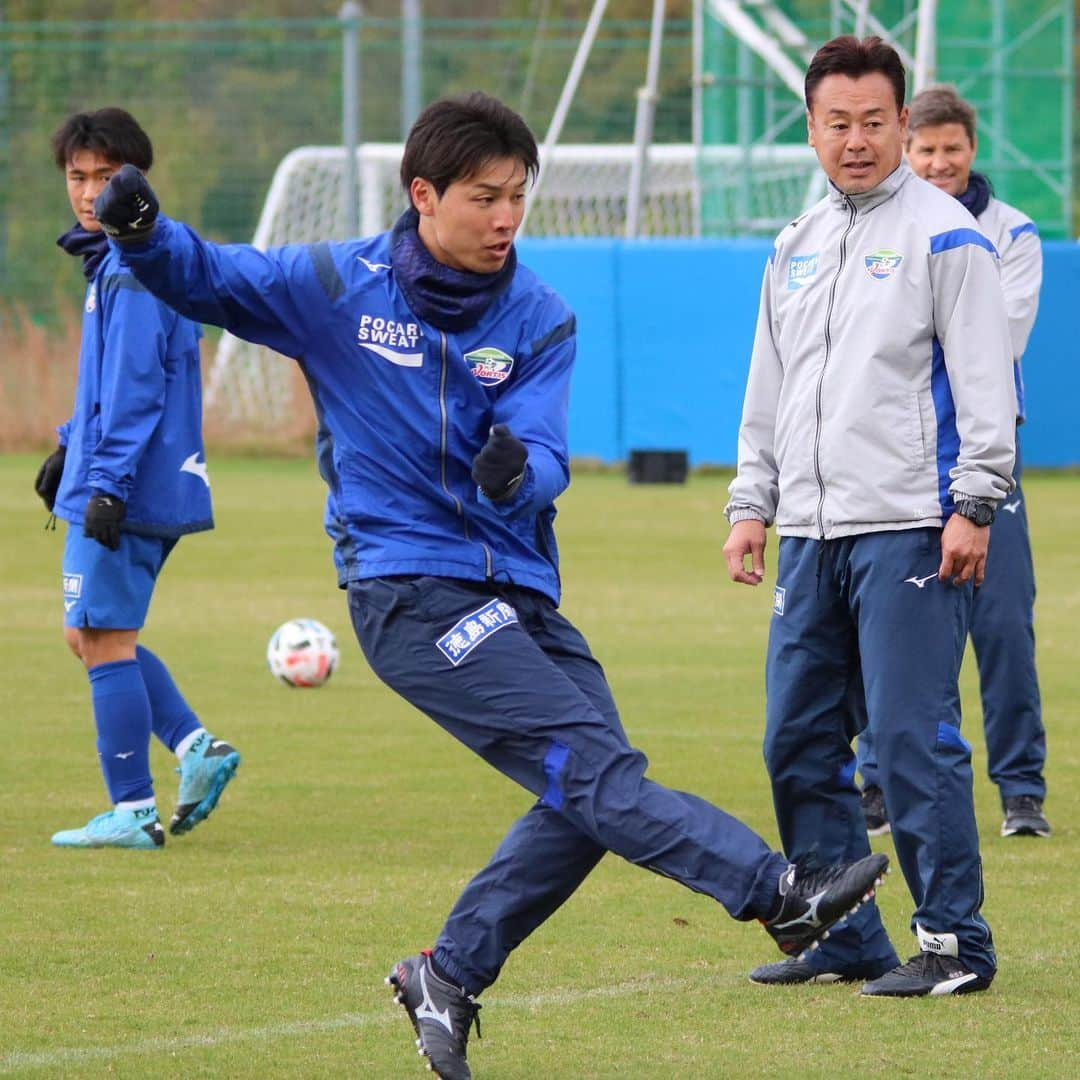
69	604
412	359
920	582
1011	507
193	465
426	1009
373	267
125	755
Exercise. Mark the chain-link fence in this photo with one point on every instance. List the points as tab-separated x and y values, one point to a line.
225	101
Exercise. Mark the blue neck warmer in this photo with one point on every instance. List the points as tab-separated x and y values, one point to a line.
976	196
92	246
452	300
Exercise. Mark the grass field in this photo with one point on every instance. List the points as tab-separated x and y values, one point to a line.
256	946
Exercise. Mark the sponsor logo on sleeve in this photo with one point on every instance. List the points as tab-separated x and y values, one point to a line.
491	366
472	629
91	298
802	269
883	263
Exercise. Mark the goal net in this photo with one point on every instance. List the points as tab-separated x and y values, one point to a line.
714	191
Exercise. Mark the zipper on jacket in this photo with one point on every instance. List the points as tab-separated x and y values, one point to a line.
443	426
821	376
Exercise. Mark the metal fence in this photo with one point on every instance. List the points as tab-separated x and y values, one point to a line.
225	100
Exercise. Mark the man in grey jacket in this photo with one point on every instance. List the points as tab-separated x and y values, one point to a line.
878	436
941	149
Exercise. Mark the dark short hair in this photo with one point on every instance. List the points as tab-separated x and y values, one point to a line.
940	104
112	133
454	138
849	56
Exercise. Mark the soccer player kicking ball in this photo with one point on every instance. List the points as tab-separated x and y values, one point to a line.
440	368
130	478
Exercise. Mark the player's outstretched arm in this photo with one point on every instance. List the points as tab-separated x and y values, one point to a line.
271	298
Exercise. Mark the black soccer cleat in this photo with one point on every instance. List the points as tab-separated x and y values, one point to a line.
794	971
811	901
874	811
1024	817
441	1015
927	973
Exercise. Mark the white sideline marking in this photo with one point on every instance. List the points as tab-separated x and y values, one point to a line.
78	1055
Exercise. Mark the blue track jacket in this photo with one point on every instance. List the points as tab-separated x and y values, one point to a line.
403	407
136	432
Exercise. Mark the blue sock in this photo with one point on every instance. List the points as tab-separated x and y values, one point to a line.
122	716
172	717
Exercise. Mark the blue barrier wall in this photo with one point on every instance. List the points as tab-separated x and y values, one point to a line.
665	329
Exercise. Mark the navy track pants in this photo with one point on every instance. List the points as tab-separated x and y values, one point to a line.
1003	636
862	631
504	673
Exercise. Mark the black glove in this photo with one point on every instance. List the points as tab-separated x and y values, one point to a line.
102	520
500	467
47	482
128	207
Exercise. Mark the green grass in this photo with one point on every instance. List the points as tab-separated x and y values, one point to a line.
256	946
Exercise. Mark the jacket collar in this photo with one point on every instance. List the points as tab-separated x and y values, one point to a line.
452	300
867	200
92	247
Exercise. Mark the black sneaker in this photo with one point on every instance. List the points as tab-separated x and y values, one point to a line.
873	808
813	900
927	973
1024	817
795	970
441	1015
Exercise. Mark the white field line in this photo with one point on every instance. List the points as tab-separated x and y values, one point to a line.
12	1061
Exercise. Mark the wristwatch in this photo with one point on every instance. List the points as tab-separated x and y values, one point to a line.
978	511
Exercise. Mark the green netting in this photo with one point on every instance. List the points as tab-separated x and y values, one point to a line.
1012	59
225	100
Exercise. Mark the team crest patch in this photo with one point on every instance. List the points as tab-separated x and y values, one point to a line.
802	269
91	298
469	631
883	263
491	366
778	599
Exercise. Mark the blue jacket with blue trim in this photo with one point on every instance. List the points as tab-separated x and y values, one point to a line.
880	384
403	406
136	432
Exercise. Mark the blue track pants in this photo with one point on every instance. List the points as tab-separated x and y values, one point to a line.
505	674
1003	636
864	619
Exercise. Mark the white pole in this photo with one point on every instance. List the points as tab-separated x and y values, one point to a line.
562	107
349	16
411	79
926	44
643	123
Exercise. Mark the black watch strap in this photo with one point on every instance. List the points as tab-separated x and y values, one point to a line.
979	511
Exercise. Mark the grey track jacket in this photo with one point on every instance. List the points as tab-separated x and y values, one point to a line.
1017	239
881	378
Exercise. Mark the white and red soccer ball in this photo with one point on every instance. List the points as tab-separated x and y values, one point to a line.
302	652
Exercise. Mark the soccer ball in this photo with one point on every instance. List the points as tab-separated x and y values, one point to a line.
302	652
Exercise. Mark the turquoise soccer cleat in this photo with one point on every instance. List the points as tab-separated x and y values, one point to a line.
207	768
117	828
